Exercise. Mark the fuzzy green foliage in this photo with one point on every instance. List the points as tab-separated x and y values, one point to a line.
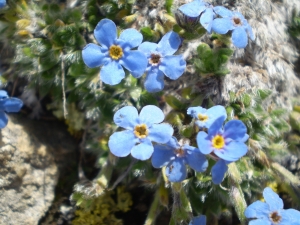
293	137
294	28
101	210
168	5
212	61
48	39
267	128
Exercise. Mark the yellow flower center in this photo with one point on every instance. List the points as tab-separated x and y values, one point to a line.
275	218
202	118
115	52
141	131
218	142
155	59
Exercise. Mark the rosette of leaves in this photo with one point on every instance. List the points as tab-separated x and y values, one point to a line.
212	61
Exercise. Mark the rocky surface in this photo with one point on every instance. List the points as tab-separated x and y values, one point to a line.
33	156
268	62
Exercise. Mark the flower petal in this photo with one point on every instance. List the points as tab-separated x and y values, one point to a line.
216	114
3	94
176	170
222	11
193	9
126	117
195	159
154	81
232	151
93	56
2	3
272	199
151	114
207	18
160	133
258	210
235	130
121	143
204	143
3	119
250	32
199	220
290	217
216	127
11	104
173	143
106	32
245	138
221	25
173	66
136	62
260	222
194	111
239	37
112	73
147	48
218	171
162	155
143	151
169	43
132	37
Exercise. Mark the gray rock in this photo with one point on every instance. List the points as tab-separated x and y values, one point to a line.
32	154
266	63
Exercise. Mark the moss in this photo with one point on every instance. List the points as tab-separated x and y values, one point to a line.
103	208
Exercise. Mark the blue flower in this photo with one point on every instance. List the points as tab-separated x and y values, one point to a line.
115	52
2	3
224	144
8	105
206	117
271	212
174	157
234	21
199	220
140	131
161	61
197	8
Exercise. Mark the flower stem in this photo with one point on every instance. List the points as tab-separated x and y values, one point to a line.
154	210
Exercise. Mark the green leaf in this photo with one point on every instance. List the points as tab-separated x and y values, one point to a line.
263	94
168	5
175	103
148	34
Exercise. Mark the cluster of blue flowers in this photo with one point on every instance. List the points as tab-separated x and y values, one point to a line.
220	20
156	60
224	144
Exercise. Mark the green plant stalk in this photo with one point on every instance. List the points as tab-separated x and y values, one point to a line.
104	176
154	210
236	194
